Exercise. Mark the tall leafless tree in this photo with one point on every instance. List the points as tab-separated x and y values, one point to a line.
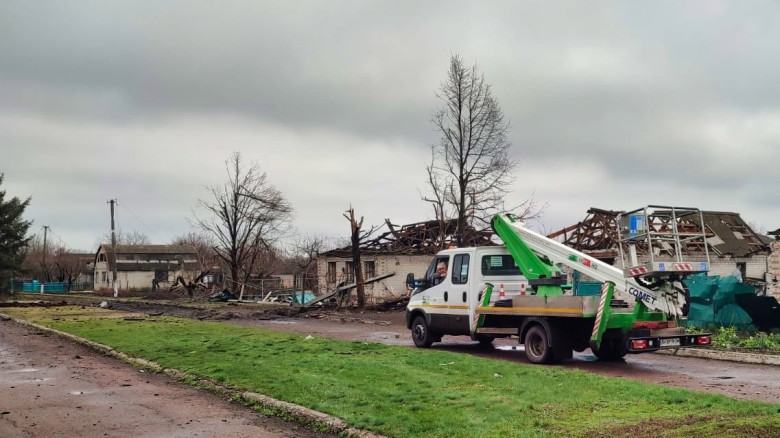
247	216
357	236
471	167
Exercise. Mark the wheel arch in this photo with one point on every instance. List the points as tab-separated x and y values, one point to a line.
412	314
533	322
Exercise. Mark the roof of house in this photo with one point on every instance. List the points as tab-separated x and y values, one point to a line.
80	259
421	238
152	249
727	234
151	257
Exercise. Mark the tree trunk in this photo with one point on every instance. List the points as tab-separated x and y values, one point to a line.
356	264
359	286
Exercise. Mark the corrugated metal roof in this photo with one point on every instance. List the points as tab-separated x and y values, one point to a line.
155	249
151	257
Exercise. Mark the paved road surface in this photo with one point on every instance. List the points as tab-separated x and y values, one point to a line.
50	387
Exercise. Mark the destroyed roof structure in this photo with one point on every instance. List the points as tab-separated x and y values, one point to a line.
596	235
727	234
421	238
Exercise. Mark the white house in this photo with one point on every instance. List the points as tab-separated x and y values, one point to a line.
142	266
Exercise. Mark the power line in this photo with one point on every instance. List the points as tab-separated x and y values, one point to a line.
62	242
123	205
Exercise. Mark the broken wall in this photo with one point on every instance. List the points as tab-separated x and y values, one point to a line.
773	272
385	289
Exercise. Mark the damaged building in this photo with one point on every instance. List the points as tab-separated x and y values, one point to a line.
388	258
733	247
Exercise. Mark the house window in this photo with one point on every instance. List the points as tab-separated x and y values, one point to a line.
161	275
350	272
331	276
369	269
101	258
103	276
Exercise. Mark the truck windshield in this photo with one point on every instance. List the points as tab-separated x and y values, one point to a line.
499	265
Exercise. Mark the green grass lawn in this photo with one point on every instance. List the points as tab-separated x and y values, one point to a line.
408	392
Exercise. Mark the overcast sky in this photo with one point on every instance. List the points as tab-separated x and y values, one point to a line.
613	105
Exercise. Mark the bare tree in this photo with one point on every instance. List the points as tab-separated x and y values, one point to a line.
304	253
35	264
133	237
357	236
471	167
247	217
208	262
69	265
204	249
437	199
60	263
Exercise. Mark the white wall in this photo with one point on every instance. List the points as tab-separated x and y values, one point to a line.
382	290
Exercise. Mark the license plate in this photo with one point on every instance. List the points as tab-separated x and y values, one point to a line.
670	342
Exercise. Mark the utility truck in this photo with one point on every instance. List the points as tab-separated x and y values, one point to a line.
519	290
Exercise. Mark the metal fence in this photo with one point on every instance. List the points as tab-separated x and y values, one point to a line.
60	287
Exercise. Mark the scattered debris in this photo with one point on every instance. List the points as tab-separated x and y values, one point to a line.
223	296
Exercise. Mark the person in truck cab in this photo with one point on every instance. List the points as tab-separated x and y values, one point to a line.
440	274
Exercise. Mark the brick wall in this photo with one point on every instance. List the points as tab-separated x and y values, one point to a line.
773	286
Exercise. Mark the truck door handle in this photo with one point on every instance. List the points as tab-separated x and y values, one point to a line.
446	295
464	297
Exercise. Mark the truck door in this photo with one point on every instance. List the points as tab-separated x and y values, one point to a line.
459	295
438	294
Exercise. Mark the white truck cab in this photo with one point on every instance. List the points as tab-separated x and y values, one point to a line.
447	305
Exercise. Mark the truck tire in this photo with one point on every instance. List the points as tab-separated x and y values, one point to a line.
610	350
537	348
485	341
421	334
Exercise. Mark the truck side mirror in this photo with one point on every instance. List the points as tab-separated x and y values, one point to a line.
410	281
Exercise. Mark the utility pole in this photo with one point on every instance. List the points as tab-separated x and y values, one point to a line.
113	250
45	268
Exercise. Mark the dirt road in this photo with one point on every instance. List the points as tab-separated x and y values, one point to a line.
55	388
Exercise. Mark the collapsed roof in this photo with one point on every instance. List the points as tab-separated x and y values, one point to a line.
421	238
727	234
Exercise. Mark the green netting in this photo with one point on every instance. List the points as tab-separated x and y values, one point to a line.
733	315
713	302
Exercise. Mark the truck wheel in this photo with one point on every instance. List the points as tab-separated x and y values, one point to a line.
610	350
536	347
421	335
485	341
